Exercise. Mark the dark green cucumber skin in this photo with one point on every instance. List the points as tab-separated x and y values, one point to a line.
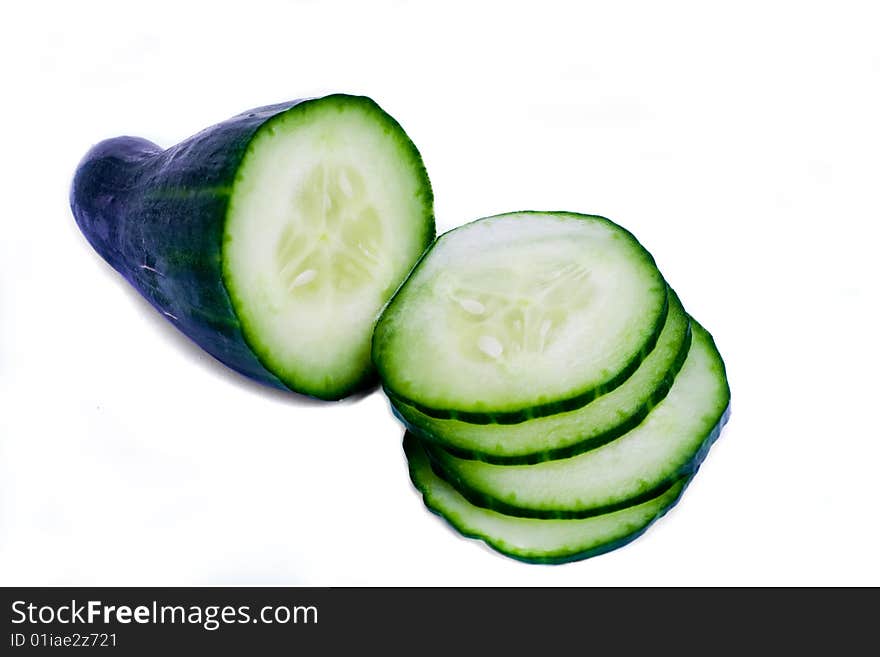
157	217
538	410
478	498
548	560
569	450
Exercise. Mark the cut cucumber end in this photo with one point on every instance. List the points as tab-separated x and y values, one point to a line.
330	208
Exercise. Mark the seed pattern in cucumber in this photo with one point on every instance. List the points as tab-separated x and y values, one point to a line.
498	313
334	242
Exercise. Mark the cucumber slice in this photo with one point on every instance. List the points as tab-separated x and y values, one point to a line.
570	433
531	539
518	316
671	442
272	239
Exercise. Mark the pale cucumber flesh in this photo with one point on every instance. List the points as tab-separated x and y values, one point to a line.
569	433
329	211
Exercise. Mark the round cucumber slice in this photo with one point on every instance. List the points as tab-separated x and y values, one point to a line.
572	432
518	316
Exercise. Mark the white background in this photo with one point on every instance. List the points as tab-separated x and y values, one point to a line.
738	141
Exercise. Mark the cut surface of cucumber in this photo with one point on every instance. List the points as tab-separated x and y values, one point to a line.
520	315
569	433
328	212
671	442
534	540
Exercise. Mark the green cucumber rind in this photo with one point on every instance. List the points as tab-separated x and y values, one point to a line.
482	500
556	558
156	216
538	410
561	452
689	466
264	353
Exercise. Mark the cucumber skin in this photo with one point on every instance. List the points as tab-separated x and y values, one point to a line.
157	216
561	452
548	560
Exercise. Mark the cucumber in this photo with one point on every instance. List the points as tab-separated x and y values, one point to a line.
273	240
670	443
534	540
570	433
518	316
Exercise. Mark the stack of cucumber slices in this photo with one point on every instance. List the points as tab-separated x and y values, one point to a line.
557	396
